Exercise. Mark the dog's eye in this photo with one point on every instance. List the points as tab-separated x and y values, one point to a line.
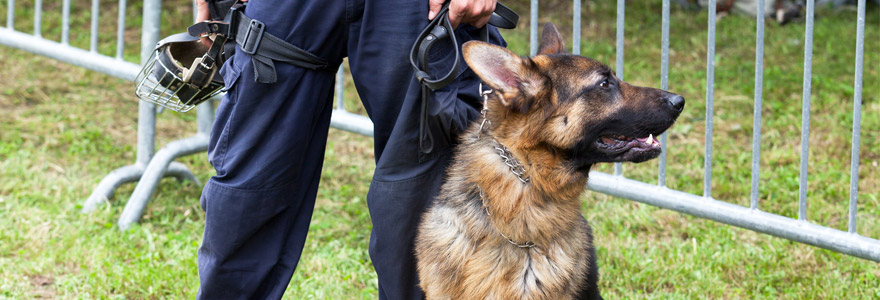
604	83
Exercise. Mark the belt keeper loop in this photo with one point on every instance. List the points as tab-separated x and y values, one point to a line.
251	42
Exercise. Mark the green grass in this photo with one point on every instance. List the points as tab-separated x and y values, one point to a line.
62	128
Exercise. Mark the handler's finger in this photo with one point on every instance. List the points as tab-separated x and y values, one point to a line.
482	21
482	14
458	12
203	14
434	8
206	41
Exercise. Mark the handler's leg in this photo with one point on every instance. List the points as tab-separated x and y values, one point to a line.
267	146
405	181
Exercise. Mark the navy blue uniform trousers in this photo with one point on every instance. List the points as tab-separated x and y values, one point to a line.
268	140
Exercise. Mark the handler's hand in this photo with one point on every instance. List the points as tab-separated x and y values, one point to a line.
203	13
474	12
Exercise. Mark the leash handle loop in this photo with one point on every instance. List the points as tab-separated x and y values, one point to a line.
439	29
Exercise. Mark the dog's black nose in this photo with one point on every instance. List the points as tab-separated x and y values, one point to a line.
676	101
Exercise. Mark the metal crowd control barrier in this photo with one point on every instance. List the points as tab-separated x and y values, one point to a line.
751	217
705	206
114	66
150	168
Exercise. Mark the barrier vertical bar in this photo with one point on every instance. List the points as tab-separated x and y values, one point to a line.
146	126
10	14
146	142
621	15
533	28
162	162
38	18
759	88
710	94
340	88
805	114
576	28
857	117
93	46
120	30
664	85
204	113
65	22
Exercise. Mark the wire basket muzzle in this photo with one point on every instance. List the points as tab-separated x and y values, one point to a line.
162	80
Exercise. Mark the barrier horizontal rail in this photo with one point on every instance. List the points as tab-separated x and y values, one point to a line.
720	211
68	54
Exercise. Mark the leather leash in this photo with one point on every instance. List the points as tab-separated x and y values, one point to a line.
441	29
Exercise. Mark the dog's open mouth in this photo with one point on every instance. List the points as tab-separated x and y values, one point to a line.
616	144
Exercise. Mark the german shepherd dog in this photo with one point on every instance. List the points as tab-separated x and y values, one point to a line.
507	221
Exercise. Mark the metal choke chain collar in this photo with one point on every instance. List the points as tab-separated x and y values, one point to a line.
515	167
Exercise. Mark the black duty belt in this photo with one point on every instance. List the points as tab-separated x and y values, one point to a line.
263	47
441	29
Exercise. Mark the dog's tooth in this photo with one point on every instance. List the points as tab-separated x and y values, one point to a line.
651	138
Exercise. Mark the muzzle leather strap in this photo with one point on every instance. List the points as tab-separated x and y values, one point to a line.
203	69
185	67
441	29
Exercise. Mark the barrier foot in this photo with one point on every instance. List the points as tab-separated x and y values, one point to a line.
104	190
182	173
158	167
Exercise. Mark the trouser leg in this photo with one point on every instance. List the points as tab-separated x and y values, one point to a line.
405	180
267	146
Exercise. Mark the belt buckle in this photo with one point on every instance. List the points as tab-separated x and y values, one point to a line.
253	37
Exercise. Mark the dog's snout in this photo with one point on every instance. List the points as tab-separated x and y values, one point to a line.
676	102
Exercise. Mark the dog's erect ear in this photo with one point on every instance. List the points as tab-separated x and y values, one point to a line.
514	79
551	41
